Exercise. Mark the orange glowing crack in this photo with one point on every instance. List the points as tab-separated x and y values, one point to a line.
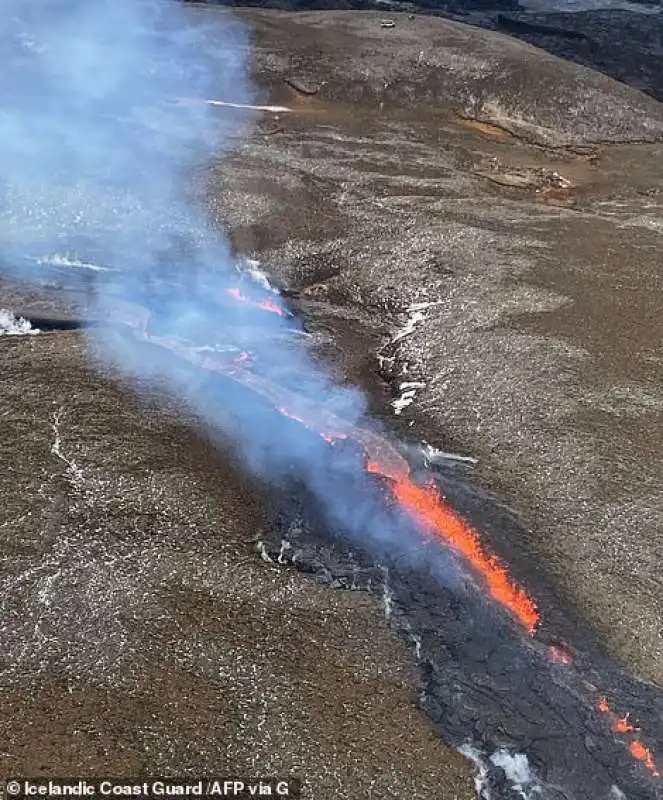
644	754
264	305
622	725
428	508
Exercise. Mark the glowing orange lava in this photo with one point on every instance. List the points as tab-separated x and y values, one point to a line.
269	305
435	515
378	469
428	508
622	725
644	754
264	305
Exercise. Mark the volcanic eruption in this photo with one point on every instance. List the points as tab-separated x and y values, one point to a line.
96	158
435	518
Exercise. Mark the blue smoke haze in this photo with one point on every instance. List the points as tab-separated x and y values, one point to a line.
96	148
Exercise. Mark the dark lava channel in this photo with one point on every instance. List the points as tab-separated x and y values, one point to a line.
484	680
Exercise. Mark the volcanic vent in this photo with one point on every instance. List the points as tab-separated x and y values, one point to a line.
501	673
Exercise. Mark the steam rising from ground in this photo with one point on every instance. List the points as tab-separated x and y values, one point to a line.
515	767
11	325
104	116
95	134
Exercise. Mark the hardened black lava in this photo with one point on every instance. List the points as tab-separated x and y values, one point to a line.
485	681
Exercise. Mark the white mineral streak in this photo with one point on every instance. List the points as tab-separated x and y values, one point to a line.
433	455
66	260
226	104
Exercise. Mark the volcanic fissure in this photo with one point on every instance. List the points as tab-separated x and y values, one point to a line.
97	153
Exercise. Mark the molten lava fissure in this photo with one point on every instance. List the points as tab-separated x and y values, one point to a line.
622	725
263	305
422	502
428	508
644	754
430	511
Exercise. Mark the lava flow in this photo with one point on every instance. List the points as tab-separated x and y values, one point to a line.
423	503
428	508
622	725
263	305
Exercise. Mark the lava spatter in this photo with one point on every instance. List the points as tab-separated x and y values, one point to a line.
622	725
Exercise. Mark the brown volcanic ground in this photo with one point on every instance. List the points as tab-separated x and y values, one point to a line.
521	195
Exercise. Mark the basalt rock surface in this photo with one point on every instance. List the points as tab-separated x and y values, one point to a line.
622	42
